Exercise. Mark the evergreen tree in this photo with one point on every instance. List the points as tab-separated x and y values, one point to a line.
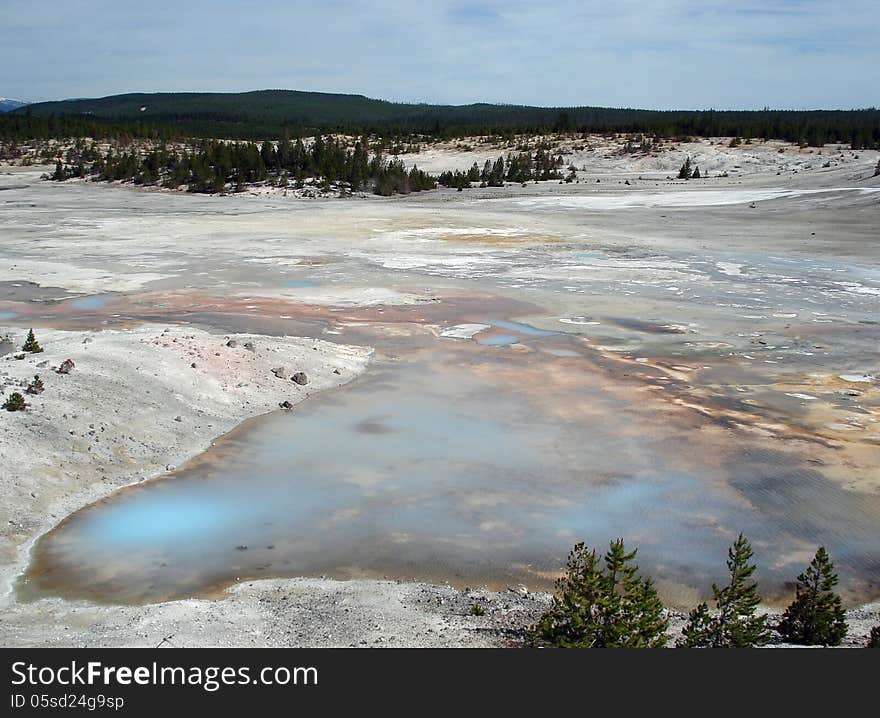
735	623
816	616
874	638
30	344
685	172
15	402
877	169
696	174
594	607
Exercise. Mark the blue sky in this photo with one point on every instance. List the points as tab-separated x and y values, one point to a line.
631	53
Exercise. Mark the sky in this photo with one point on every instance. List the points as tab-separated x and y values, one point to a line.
663	54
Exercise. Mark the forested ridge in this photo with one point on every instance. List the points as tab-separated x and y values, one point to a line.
275	114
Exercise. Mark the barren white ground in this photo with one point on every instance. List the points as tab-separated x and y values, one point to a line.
135	406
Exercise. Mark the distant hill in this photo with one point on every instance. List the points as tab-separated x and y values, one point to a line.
293	108
272	113
7	104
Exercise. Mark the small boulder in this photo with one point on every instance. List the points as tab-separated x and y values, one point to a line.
300	378
232	343
282	372
250	346
286	405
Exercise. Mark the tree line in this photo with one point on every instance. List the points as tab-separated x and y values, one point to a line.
276	114
521	167
214	166
605	603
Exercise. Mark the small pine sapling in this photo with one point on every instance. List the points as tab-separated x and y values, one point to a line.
36	386
31	345
15	402
735	624
603	607
686	172
816	616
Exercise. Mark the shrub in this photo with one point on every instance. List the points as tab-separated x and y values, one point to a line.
735	623
36	386
874	638
477	610
602	608
30	344
15	402
816	616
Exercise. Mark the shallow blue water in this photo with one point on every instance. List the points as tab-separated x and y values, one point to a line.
498	339
97	302
521	328
301	283
420	473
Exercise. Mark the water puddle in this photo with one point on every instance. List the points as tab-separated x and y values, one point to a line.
301	283
497	340
522	329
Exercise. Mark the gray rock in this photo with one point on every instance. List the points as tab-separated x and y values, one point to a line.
286	405
300	378
232	343
250	346
282	372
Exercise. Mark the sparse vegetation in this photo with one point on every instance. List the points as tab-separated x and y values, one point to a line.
816	616
36	386
596	607
477	610
31	344
874	638
735	623
519	168
15	402
216	166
